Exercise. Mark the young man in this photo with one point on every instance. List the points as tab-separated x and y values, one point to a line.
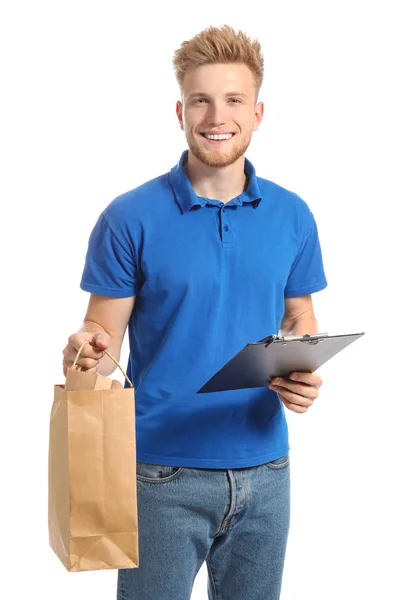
197	263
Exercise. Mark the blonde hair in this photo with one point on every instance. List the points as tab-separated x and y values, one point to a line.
219	45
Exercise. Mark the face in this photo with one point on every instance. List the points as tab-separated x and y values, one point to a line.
219	100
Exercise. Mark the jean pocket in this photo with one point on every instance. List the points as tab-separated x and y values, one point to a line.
279	463
154	473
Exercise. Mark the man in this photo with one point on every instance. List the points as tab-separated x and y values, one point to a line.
196	263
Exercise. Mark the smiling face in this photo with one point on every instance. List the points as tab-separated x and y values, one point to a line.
218	114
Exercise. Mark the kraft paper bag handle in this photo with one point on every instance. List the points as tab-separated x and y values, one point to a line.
108	354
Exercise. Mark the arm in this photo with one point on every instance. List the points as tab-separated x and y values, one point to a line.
298	317
299	391
108	317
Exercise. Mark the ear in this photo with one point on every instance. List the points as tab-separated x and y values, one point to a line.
258	115
179	113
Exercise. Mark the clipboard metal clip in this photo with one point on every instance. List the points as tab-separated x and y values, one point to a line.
307	338
267	341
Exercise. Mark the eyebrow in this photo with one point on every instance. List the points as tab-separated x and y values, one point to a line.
204	94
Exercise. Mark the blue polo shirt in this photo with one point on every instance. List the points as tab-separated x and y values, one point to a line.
208	278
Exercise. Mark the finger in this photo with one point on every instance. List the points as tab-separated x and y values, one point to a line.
306	391
87	364
288	383
70	352
101	340
295	398
94	343
90	351
294	407
279	382
308	378
92	370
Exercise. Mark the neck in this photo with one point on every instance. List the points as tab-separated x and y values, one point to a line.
216	183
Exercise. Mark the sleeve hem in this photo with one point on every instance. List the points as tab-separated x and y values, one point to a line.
306	290
111	292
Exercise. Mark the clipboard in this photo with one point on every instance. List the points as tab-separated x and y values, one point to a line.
275	356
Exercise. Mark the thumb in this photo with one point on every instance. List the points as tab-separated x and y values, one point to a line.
101	340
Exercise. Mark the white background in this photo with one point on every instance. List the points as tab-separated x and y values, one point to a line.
87	112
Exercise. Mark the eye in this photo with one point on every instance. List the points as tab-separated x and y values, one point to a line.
198	100
235	100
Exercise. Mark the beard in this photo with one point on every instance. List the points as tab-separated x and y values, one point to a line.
219	157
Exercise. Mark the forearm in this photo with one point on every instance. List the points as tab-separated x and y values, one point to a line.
302	325
106	365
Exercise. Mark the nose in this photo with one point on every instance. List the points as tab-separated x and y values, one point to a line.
215	115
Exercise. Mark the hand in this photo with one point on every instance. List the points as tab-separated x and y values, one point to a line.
91	353
299	392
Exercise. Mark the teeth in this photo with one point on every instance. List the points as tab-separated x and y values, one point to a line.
221	136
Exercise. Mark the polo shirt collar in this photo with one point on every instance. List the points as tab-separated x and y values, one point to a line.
187	198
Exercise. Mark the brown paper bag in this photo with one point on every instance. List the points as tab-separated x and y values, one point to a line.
92	473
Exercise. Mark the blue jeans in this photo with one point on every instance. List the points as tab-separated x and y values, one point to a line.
235	519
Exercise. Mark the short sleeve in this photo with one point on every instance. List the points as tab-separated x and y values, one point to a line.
110	266
307	272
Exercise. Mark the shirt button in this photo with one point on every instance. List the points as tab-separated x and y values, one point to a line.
226	228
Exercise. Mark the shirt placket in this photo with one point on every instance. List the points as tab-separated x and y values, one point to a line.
226	228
